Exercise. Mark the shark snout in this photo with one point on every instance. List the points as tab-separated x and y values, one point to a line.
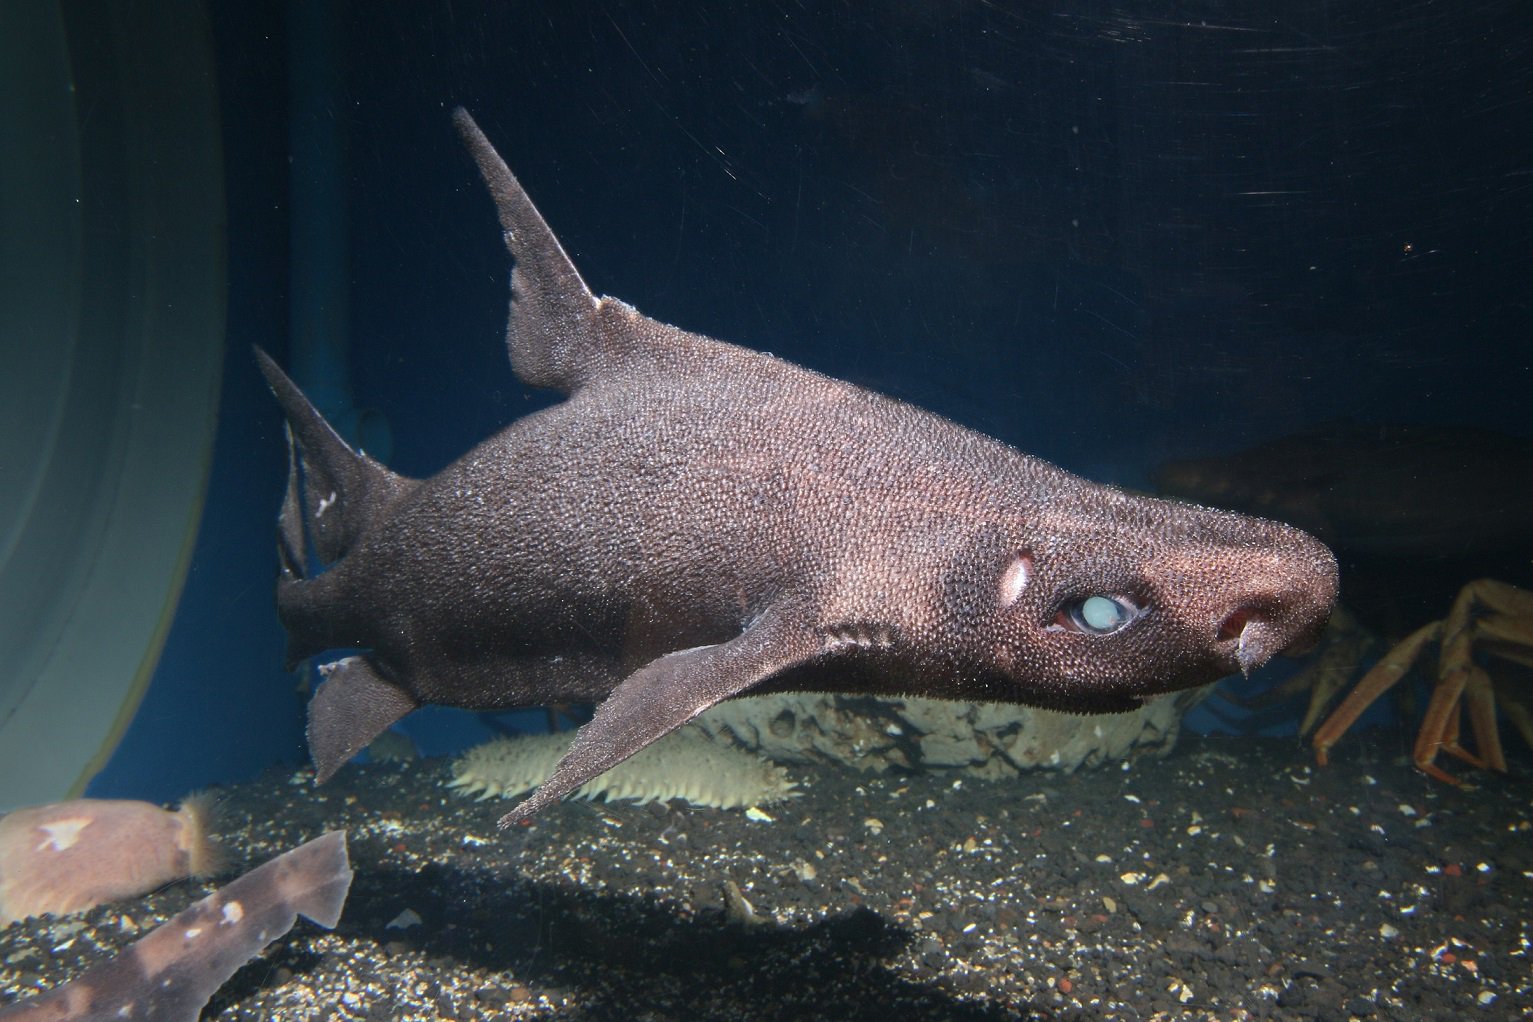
1285	614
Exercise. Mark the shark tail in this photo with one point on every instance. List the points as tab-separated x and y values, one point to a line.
333	495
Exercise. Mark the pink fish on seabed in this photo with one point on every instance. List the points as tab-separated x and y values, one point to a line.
67	857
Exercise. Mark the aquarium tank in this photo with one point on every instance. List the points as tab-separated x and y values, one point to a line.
1041	528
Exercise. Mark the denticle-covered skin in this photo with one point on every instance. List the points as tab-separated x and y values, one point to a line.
699	520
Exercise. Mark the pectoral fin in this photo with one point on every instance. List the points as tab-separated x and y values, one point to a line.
664	694
351	708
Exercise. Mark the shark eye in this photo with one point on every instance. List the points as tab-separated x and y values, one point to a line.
1096	615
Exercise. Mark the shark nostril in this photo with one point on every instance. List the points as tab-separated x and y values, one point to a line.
1234	623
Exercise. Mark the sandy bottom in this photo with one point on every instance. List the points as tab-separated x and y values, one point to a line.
1232	880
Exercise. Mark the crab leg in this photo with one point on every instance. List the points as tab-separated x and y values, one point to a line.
1455	675
1389	670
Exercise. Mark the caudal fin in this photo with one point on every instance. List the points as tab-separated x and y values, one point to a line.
334	494
340	491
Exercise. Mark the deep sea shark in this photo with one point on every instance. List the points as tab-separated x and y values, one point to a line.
698	521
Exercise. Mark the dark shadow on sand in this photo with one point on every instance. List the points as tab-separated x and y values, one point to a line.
631	955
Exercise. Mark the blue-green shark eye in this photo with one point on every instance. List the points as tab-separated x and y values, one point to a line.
1096	615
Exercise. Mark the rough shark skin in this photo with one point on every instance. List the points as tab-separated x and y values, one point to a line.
698	520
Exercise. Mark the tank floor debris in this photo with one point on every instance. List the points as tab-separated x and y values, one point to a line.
1232	880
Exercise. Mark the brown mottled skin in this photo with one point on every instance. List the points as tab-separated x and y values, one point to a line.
699	520
170	973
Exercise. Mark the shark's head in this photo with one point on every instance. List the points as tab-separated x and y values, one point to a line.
1100	597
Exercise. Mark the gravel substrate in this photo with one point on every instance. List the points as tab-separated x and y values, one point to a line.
1232	880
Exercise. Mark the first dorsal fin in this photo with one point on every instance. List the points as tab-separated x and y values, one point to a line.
553	336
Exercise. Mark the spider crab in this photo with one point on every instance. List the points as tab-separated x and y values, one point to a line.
1489	617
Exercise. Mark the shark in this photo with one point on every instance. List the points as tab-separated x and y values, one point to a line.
696	521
